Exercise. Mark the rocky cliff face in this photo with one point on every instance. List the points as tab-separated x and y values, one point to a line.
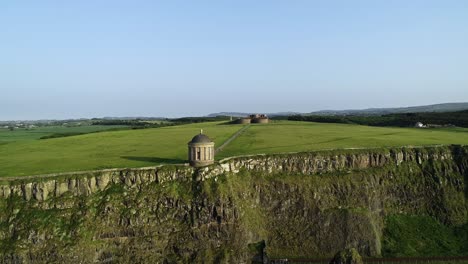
302	204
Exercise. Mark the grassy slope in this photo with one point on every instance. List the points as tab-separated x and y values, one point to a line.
290	136
135	148
132	148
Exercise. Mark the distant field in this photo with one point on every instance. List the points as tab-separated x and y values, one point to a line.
21	134
292	136
146	147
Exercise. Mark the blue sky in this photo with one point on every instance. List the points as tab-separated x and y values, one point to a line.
70	59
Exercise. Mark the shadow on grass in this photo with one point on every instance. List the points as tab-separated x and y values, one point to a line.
154	159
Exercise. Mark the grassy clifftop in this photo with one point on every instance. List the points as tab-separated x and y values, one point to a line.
148	147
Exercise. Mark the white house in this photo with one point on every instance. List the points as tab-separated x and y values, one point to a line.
419	124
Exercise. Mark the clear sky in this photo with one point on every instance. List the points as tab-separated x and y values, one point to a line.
71	59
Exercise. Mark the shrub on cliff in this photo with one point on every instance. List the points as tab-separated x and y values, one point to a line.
413	235
347	256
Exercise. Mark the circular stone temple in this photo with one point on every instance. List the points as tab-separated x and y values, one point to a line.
201	150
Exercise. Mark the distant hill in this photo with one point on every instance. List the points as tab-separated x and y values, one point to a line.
240	114
448	107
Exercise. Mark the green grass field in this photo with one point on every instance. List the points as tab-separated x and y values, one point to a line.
147	147
292	136
126	148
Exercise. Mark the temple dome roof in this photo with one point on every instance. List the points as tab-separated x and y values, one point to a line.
201	138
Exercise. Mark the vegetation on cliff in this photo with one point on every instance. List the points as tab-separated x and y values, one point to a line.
422	235
298	205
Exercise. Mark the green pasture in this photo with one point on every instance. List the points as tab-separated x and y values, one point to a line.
147	147
21	134
125	148
296	136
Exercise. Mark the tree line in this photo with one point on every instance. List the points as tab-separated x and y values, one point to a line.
459	119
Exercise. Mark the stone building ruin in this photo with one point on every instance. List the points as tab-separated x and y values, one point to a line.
255	119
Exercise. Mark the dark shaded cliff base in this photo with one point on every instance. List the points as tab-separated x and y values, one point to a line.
383	202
